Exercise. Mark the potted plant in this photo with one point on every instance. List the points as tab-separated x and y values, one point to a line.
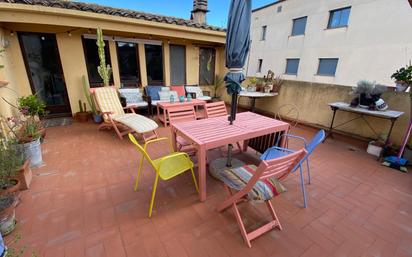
219	80
103	69
363	93
11	159
252	84
82	115
403	78
3	83
32	106
97	117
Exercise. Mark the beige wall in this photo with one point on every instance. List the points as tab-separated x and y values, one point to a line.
74	66
312	101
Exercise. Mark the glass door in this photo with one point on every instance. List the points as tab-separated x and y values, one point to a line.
44	70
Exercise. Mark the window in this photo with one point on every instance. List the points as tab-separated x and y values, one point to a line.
299	26
128	59
178	64
279	8
92	61
207	58
327	66
339	18
259	69
292	66
154	64
263	36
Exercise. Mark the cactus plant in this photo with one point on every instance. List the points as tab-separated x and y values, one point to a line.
88	96
82	106
105	71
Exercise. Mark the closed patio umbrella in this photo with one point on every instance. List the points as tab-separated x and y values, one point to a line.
237	48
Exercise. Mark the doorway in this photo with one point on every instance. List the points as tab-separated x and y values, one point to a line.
44	70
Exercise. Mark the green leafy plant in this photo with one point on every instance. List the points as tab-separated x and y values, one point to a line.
88	96
404	75
253	80
23	129
105	71
219	80
31	105
14	250
11	159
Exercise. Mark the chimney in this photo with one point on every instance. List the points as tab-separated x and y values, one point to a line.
199	11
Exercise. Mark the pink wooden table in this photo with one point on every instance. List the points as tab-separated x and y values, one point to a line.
166	105
216	132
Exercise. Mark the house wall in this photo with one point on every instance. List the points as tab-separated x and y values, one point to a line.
52	20
312	101
376	42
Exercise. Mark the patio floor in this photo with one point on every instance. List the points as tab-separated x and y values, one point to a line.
82	203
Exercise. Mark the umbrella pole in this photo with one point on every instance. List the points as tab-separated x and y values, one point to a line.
233	108
229	156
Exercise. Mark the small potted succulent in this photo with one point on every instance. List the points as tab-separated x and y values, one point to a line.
97	117
403	78
82	115
252	84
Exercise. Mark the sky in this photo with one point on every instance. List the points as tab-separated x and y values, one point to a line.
178	8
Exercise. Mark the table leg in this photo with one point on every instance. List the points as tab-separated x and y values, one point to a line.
334	109
385	147
174	135
165	116
253	104
158	112
201	159
245	145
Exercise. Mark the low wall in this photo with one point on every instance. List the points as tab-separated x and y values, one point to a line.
312	100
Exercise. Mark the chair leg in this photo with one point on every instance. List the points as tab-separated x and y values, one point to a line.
241	225
308	169
153	195
273	213
239	146
194	179
302	185
139	171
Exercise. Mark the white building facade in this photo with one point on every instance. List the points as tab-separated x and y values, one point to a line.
331	41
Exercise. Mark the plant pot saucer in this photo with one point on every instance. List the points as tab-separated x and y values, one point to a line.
3	83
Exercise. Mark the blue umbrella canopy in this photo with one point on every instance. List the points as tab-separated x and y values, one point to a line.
237	48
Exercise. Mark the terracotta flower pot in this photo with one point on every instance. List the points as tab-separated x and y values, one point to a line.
82	116
25	175
13	188
8	214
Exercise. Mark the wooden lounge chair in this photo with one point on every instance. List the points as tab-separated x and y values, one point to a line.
115	117
259	184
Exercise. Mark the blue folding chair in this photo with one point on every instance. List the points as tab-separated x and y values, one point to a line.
276	152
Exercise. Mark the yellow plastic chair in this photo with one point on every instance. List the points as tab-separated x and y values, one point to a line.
166	167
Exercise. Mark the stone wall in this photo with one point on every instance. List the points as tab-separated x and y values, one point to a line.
312	101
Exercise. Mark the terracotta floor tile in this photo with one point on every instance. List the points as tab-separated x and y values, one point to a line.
82	203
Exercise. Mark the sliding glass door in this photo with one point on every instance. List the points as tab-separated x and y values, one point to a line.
44	70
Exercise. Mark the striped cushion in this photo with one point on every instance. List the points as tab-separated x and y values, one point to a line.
237	178
108	100
137	122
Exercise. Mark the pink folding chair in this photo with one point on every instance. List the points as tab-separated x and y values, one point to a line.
180	114
259	184
218	109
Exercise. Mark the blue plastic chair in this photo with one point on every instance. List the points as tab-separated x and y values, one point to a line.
276	152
